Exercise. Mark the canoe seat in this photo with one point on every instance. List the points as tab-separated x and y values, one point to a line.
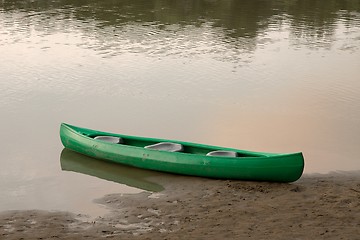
223	154
166	146
110	139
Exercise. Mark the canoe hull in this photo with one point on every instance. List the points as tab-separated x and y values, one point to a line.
254	166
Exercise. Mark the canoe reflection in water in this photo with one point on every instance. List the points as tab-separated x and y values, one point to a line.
133	177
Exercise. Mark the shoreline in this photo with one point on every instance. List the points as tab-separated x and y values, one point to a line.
315	206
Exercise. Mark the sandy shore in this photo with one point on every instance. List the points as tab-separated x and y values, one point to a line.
315	207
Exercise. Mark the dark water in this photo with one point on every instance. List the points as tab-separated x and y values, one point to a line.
275	76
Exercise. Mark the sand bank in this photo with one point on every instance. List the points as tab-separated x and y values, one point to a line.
316	206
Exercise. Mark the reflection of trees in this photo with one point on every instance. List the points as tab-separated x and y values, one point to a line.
312	20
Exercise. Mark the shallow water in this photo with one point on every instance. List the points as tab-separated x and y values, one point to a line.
274	76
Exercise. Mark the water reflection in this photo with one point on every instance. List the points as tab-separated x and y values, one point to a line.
133	177
185	28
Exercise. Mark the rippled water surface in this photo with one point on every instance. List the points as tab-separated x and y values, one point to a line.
274	76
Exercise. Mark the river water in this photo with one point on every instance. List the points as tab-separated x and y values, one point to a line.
262	75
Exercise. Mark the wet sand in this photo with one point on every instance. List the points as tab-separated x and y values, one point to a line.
316	206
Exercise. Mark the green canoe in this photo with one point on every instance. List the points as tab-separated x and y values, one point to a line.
183	157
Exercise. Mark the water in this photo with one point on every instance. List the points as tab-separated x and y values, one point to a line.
275	76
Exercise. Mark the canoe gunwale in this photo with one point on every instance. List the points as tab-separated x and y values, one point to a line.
250	154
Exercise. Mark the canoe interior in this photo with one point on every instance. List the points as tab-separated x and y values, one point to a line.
141	142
